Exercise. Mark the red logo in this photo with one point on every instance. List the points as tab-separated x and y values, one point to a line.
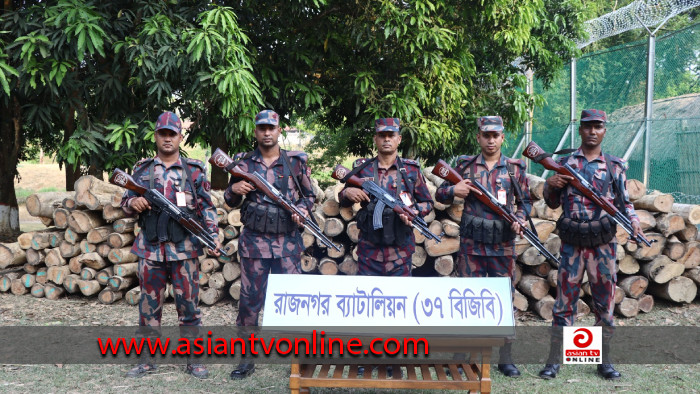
583	339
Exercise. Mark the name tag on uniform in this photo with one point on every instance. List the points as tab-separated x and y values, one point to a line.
406	198
180	199
501	195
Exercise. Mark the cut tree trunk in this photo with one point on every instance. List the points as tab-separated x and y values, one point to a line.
118	283
646	219
634	286
72	237
11	255
37	290
60	218
133	296
533	286
450	228
211	295
628	265
231	271
35	257
334	254
333	227
680	289
330	208
531	256
419	256
47	239
103	249
662	269
519	301
125	225
117	240
689	233
670	223
93	260
674	249
209	265
89	287
647	253
536	186
636	189
444	265
99	234
348	266
94	193
68	249
128	269
646	303
689	212
111	213
629	307
328	266
103	275
122	256
353	232
217	281
42	204
308	263
655	202
25	240
448	245
109	296
84	221
57	274
544	306
230	232
544	228
53	292
88	273
235	290
54	258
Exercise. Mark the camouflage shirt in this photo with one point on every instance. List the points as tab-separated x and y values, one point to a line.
412	180
253	244
578	207
488	178
169	181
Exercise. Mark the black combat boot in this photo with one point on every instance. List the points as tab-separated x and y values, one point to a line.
243	371
606	370
505	362
551	369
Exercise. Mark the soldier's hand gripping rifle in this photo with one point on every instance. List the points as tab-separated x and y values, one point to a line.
444	171
538	155
384	199
158	200
223	161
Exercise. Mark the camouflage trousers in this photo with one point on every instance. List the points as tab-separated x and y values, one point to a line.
184	275
476	266
599	263
254	274
369	267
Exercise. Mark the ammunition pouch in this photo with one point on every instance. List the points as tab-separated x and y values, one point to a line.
586	234
485	231
393	232
157	226
266	218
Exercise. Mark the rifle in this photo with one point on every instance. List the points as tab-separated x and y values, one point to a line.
444	171
158	200
538	155
384	199
223	161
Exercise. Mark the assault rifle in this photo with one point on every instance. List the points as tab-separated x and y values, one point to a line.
444	171
538	155
223	161
159	202
384	199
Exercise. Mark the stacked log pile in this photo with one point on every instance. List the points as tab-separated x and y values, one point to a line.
86	249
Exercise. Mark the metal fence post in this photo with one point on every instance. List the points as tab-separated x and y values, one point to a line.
648	110
572	123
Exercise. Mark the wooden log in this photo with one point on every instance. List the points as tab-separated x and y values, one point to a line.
553	244
330	208
88	273
53	292
334	254
536	185
69	203
533	286
12	255
307	239
347	213
518	273
308	263
234	218
108	296
688	234
348	266
211	295
634	286
230	232
631	247
6	281
418	236
102	276
648	253
629	307
235	290
437	205
99	235
42	204
118	240
54	258
545	212
448	245
209	265
646	219
133	296
646	303
680	289
231	271
72	237
328	266
353	232
57	274
635	189
582	309
429	217
217	281
128	269
28	280
450	228
419	256
122	256
655	202
552	278
222	217
519	301
544	228
37	290
444	265
25	240
531	256
693	274
204	278
46	239
35	257
60	218
619	253
126	225
622	236
674	248
119	283
354	253
454	211
94	193
689	212
231	247
541	270
670	223
628	265
111	213
662	269
84	221
41	275
74	264
333	227
68	250
544	306
92	260
30	269
89	287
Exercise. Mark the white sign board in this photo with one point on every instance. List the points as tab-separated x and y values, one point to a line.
357	301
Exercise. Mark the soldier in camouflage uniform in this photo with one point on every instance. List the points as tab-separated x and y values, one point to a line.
607	174
271	239
403	179
489	253
184	182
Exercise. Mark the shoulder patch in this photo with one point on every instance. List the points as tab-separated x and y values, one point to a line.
464	159
358	162
619	161
411	162
517	162
299	155
142	162
196	163
206	185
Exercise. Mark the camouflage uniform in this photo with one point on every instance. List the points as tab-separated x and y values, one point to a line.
599	262
478	259
264	252
158	261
